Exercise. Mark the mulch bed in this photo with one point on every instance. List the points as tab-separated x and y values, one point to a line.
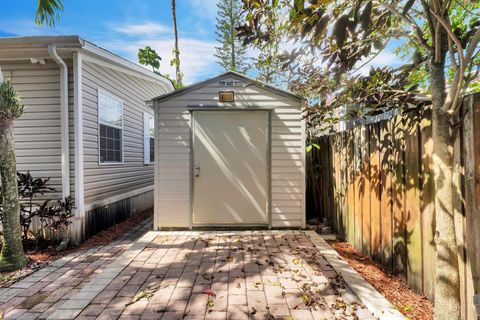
408	302
41	258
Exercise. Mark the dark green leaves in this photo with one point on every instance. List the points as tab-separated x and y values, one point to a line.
340	30
149	57
321	28
365	17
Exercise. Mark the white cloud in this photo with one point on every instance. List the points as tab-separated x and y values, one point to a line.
143	29
196	56
205	8
19	27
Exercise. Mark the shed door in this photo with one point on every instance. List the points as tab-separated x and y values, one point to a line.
230	167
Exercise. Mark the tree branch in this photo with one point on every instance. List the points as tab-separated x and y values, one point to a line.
428	17
472	46
417	30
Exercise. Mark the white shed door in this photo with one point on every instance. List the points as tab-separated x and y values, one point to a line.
230	167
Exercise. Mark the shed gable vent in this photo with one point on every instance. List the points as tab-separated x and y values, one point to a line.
229	83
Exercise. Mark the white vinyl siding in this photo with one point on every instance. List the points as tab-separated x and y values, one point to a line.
37	131
104	181
173	182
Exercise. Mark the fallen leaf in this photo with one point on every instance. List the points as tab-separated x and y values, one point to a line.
210	304
146	293
209	292
207	276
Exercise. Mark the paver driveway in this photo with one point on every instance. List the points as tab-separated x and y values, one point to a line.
188	275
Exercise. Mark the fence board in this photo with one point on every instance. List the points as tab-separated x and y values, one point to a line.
365	189
471	150
343	184
335	183
412	203
399	246
459	225
427	207
358	195
351	186
386	193
375	190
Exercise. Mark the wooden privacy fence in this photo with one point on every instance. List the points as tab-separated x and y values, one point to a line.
374	185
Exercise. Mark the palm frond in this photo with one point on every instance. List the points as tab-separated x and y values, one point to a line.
48	11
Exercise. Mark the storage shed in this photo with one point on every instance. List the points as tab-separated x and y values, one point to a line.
229	152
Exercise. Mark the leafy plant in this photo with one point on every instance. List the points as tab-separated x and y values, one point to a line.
149	57
52	217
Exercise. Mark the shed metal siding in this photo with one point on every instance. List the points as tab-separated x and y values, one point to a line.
173	183
103	181
37	131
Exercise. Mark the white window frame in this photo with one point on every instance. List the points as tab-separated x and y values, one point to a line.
230	83
146	137
101	91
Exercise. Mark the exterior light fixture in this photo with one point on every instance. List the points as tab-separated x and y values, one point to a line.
226	96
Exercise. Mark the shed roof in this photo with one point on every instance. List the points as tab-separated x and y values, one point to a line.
204	83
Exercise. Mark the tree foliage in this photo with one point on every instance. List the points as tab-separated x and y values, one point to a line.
48	11
231	51
10	105
268	43
149	57
333	39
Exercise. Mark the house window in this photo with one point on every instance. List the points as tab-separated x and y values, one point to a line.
110	123
149	138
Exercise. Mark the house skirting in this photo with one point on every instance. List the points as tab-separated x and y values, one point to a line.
103	217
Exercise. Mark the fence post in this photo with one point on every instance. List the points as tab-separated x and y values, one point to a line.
471	152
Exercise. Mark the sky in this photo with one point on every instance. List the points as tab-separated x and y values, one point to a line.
124	26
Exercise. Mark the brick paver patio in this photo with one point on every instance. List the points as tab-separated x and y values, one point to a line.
188	275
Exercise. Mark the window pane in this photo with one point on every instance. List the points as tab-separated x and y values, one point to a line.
110	144
151	127
110	110
102	107
152	149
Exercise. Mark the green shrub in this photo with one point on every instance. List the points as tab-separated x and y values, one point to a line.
53	217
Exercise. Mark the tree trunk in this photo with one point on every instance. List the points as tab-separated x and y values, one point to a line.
447	280
178	74
232	38
12	255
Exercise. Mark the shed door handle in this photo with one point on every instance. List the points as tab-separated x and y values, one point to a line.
197	172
